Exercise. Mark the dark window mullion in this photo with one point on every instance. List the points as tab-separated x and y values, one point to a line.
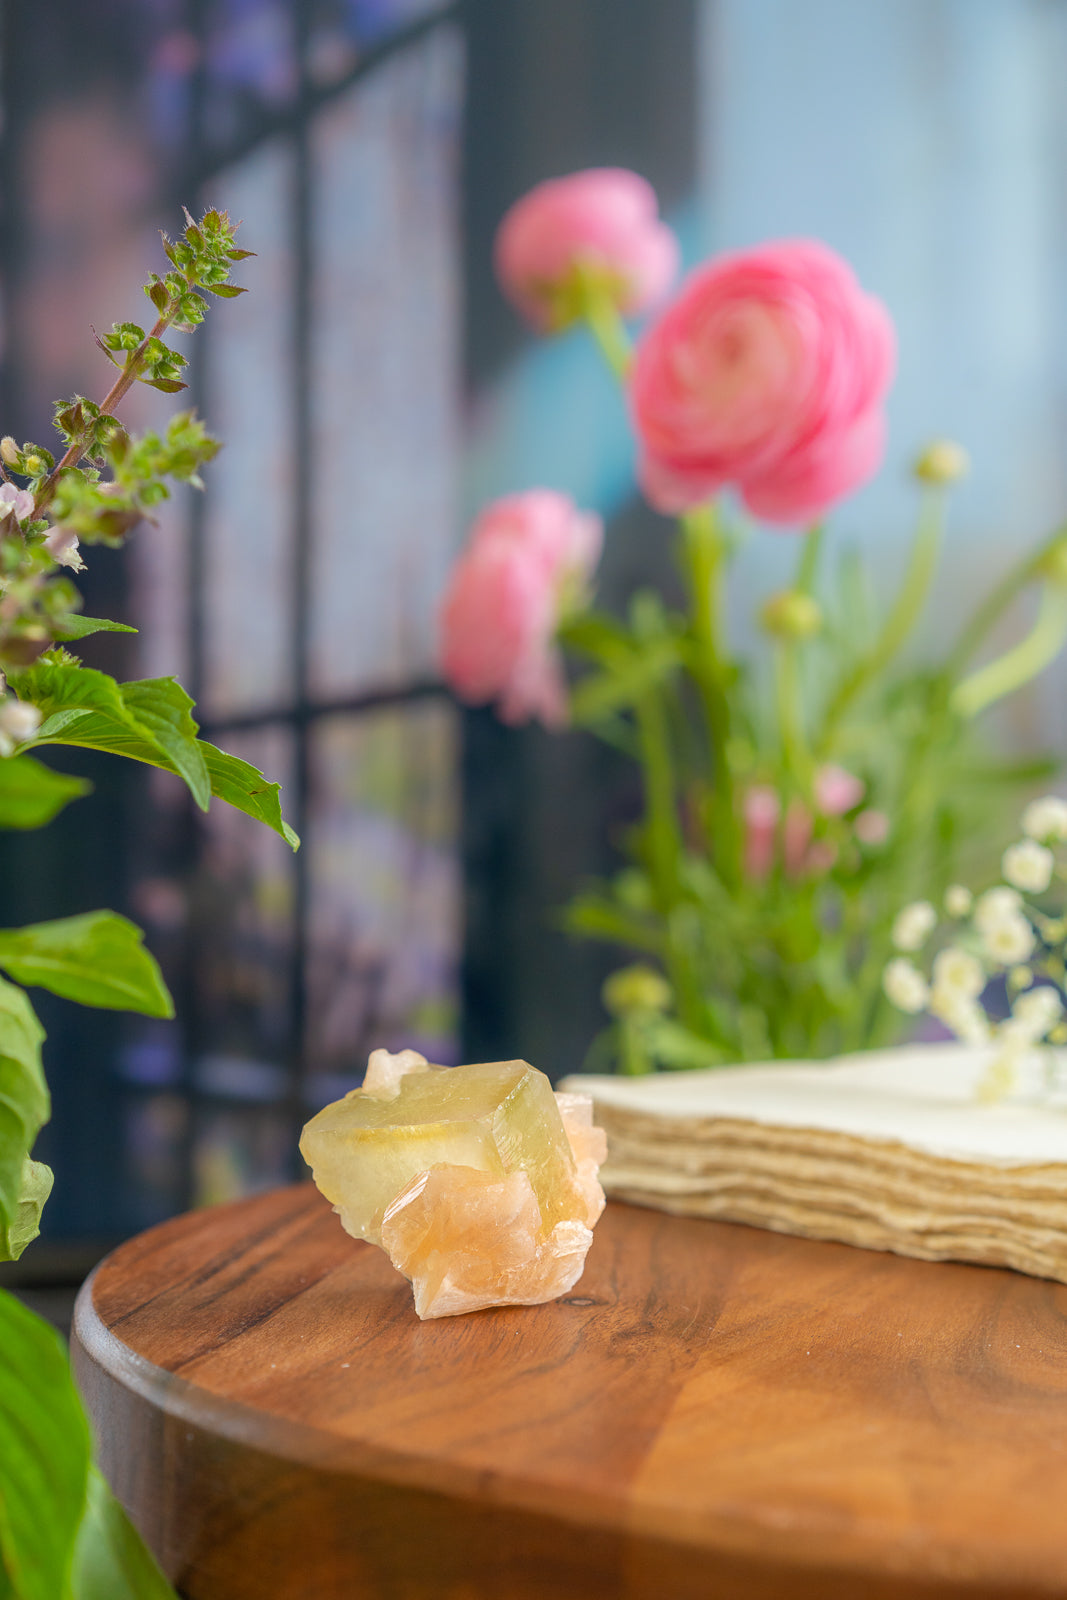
301	558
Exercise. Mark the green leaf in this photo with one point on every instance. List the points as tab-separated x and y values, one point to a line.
594	917
111	1560
24	1101
603	693
74	626
97	959
58	722
243	786
677	1047
162	706
225	291
44	1456
31	794
37	1182
148	720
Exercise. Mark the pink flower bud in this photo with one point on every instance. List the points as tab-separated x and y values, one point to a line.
767	372
762	809
605	220
796	837
837	790
529	556
872	827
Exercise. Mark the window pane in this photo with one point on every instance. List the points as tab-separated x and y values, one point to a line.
241	940
249	514
384	934
384	368
239	1152
250	66
341	31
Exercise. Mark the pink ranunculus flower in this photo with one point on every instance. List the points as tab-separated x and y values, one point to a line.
605	219
836	790
529	556
768	373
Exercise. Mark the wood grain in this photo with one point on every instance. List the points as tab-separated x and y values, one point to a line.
715	1413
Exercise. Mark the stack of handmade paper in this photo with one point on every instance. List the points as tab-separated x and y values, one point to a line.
891	1149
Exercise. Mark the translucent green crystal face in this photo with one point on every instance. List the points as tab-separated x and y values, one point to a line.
498	1117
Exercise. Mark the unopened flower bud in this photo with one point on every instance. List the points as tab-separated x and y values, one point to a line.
942	462
33	464
9	450
791	614
1054	563
19	720
634	989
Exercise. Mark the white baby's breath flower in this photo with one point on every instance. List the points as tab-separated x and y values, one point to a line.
1028	865
956	971
958	900
905	985
1046	818
1038	1010
19	720
1009	941
913	925
962	1014
996	905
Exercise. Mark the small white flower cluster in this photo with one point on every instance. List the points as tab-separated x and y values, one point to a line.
19	721
996	935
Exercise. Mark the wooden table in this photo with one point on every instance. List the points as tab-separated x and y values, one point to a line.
714	1413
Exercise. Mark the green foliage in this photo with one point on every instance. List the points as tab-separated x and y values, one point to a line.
44	1457
147	720
62	1535
111	1560
24	1100
67	629
31	794
25	1225
243	786
96	958
786	960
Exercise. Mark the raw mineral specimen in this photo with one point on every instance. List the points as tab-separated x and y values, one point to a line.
478	1182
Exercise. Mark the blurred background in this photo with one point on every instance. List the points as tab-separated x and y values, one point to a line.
373	390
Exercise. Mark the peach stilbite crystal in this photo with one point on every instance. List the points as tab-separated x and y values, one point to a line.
478	1182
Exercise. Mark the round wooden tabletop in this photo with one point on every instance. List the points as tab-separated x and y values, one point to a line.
715	1412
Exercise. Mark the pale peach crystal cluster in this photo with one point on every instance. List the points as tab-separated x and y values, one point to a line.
477	1181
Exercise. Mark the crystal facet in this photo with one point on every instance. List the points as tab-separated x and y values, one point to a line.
478	1182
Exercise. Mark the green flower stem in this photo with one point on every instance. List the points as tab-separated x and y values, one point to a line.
994	606
796	756
904	614
808	564
119	389
704	560
662	833
1017	666
665	847
599	310
609	331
